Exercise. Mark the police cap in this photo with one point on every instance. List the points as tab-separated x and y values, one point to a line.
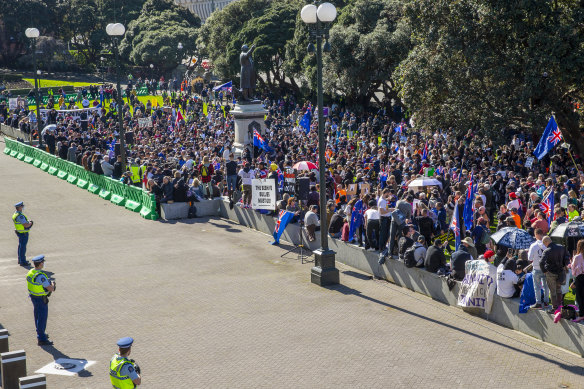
19	204
38	258
125	342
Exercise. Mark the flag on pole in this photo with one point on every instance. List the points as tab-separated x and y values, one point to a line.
284	218
468	204
551	136
305	121
547	206
455	227
356	218
400	128
259	141
228	86
425	152
179	117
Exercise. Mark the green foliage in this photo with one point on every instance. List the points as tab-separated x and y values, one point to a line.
154	36
368	42
493	64
218	36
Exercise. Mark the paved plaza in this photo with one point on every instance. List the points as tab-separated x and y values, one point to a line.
211	304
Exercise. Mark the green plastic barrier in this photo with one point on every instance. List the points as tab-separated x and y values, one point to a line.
133	198
37	158
118	193
106	191
83	178
61	164
93	186
44	158
72	170
28	155
8	145
148	210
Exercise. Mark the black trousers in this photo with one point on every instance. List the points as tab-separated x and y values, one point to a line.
579	283
373	234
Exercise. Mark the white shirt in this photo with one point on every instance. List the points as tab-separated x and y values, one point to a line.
246	177
372	214
506	279
382	204
535	253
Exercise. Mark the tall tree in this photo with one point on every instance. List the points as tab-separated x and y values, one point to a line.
154	36
496	63
368	42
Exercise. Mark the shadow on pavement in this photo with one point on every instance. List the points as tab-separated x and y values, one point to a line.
56	354
350	291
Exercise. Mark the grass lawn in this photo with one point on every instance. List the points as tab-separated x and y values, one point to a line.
55	83
143	99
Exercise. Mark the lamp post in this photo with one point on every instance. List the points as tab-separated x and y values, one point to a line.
116	30
318	20
33	34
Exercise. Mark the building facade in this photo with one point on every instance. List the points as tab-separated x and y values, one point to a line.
203	8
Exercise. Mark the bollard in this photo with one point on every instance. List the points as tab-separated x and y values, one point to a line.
13	366
38	381
3	341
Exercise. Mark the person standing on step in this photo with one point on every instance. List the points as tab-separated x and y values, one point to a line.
22	226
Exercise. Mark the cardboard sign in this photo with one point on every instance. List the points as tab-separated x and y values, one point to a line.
365	188
529	162
263	194
352	189
478	287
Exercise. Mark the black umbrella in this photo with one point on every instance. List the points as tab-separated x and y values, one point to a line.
573	229
513	238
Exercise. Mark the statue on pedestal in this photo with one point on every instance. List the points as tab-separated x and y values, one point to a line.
248	77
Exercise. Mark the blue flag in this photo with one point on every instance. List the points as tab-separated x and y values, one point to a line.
305	121
284	218
468	212
356	218
455	227
527	297
259	141
425	152
227	87
551	136
547	206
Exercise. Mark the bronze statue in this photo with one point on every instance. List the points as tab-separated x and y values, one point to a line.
248	77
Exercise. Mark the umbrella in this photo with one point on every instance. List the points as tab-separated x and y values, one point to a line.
424	181
513	238
573	229
50	127
305	165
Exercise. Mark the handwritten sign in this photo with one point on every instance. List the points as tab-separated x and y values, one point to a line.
529	162
478	286
290	181
365	188
263	194
145	122
352	189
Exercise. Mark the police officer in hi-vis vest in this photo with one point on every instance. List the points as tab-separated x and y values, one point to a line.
39	289
21	227
124	372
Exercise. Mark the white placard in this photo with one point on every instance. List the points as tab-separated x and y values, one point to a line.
263	194
478	286
12	103
76	114
529	162
145	122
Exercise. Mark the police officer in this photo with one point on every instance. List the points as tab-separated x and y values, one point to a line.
39	288
22	227
124	372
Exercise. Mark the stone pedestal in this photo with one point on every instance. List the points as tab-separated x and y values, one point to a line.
248	116
324	271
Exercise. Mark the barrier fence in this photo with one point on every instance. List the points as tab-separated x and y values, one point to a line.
130	197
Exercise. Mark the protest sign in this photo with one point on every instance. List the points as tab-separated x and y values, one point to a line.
365	188
145	122
76	114
290	181
12	103
352	189
263	194
529	162
478	286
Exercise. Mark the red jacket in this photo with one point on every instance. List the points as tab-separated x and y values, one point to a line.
206	173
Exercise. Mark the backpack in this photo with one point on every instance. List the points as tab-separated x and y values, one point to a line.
485	237
409	257
192	212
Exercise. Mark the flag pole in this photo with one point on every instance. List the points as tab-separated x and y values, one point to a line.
564	138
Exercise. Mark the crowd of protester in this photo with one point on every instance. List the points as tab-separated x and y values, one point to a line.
372	157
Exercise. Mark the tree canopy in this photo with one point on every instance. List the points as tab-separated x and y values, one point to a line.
154	36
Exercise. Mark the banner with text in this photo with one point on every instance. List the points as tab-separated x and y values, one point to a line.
478	286
263	194
290	181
